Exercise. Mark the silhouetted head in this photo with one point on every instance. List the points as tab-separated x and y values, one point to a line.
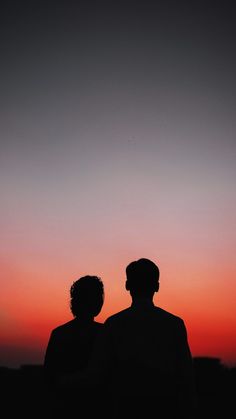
142	278
87	296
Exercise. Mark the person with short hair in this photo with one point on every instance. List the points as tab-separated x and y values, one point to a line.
147	355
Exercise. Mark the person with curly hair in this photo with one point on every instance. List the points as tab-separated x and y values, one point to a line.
70	345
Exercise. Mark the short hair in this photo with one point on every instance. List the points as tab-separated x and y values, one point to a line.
142	277
87	296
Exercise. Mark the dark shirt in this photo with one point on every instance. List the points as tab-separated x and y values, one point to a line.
68	351
70	346
149	361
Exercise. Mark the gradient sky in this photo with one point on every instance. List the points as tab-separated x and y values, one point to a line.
118	141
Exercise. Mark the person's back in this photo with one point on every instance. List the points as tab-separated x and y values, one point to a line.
70	346
150	359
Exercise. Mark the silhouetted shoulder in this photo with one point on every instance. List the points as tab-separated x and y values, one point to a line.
118	316
153	311
63	327
73	325
167	315
70	345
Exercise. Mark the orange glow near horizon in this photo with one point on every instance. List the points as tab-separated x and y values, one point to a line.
34	303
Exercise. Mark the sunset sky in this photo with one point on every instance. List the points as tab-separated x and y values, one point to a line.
118	141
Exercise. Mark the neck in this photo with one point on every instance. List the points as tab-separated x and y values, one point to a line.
140	300
84	318
148	296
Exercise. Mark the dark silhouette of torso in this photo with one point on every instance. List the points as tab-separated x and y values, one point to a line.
69	350
70	345
150	363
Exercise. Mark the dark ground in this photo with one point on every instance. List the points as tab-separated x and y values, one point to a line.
23	391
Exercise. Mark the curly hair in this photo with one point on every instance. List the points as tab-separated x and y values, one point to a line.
87	296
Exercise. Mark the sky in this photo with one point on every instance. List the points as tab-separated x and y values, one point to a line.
118	141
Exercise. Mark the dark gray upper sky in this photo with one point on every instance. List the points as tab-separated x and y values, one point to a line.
96	95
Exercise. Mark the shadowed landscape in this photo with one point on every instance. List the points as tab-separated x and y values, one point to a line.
23	390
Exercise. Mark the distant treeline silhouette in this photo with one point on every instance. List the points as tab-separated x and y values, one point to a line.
23	389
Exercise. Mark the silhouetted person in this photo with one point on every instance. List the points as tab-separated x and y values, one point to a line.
146	355
69	349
